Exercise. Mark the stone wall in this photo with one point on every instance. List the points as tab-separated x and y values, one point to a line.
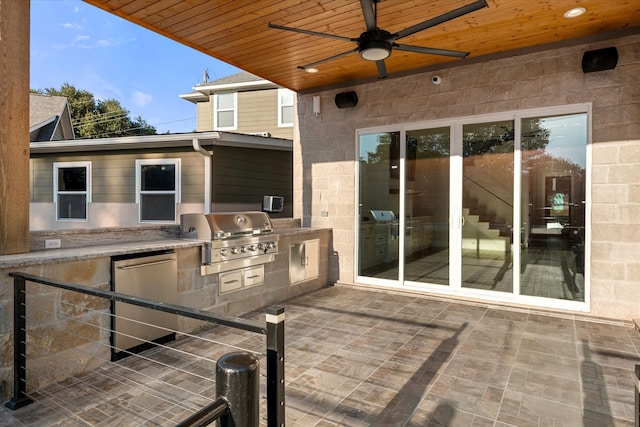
325	152
71	330
65	329
615	219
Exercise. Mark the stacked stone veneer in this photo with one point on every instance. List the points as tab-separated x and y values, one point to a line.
325	152
70	332
66	330
615	219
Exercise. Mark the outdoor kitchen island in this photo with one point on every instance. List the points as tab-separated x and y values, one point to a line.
85	258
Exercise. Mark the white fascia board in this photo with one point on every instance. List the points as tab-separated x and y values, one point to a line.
195	97
42	123
161	141
258	84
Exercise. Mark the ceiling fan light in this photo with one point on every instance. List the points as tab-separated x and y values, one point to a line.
375	50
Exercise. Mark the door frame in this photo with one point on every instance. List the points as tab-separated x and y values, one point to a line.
455	205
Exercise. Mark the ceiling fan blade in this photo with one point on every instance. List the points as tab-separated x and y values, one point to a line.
311	33
369	14
479	4
430	50
382	69
313	64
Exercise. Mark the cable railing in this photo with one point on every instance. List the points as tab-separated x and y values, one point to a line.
174	378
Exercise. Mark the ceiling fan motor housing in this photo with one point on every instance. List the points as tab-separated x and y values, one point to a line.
374	45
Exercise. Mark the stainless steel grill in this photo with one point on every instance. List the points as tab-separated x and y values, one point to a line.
231	240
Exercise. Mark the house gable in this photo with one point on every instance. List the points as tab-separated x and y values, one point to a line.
49	118
256	107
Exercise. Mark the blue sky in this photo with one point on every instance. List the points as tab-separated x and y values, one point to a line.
74	42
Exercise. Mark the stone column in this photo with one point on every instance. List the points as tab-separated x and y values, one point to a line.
14	126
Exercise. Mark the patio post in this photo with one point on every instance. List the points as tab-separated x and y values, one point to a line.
238	382
275	366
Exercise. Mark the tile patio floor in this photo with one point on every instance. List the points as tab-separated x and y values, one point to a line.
358	358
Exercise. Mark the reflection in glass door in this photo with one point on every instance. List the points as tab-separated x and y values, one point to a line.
426	228
553	194
437	206
379	185
487	206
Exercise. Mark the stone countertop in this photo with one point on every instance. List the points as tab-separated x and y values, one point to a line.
300	230
113	249
94	251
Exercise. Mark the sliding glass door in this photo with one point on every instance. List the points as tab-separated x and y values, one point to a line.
487	206
426	201
379	205
553	202
452	207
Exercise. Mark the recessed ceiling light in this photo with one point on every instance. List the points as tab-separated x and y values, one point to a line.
311	70
575	12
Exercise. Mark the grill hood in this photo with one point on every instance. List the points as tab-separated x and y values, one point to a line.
224	225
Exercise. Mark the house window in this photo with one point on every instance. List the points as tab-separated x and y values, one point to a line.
225	114
285	107
72	190
157	189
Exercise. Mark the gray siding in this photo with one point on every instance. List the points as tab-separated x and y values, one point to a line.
113	175
204	111
246	175
41	187
257	112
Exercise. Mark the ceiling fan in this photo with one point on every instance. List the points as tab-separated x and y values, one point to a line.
376	44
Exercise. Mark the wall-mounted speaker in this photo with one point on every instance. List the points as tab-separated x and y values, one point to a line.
600	59
346	99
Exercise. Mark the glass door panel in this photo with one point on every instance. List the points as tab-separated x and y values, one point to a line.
553	187
487	206
379	190
426	231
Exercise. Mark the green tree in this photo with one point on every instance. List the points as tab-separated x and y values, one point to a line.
93	118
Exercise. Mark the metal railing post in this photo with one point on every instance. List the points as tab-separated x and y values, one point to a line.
20	397
275	366
238	382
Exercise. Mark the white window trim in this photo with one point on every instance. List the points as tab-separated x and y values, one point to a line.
281	104
87	192
176	192
216	110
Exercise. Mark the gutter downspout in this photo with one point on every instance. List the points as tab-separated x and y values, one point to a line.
207	173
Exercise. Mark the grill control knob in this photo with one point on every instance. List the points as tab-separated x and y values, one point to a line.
243	249
223	252
252	248
234	250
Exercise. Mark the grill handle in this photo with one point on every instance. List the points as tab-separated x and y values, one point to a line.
206	253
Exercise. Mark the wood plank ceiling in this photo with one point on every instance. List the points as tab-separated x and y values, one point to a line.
237	31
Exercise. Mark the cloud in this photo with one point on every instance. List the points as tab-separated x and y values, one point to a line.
71	26
141	99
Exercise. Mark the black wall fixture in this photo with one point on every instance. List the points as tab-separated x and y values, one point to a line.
600	59
346	99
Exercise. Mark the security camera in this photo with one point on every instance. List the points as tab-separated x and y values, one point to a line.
436	80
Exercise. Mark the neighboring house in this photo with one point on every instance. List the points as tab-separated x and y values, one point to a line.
244	103
138	180
49	118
